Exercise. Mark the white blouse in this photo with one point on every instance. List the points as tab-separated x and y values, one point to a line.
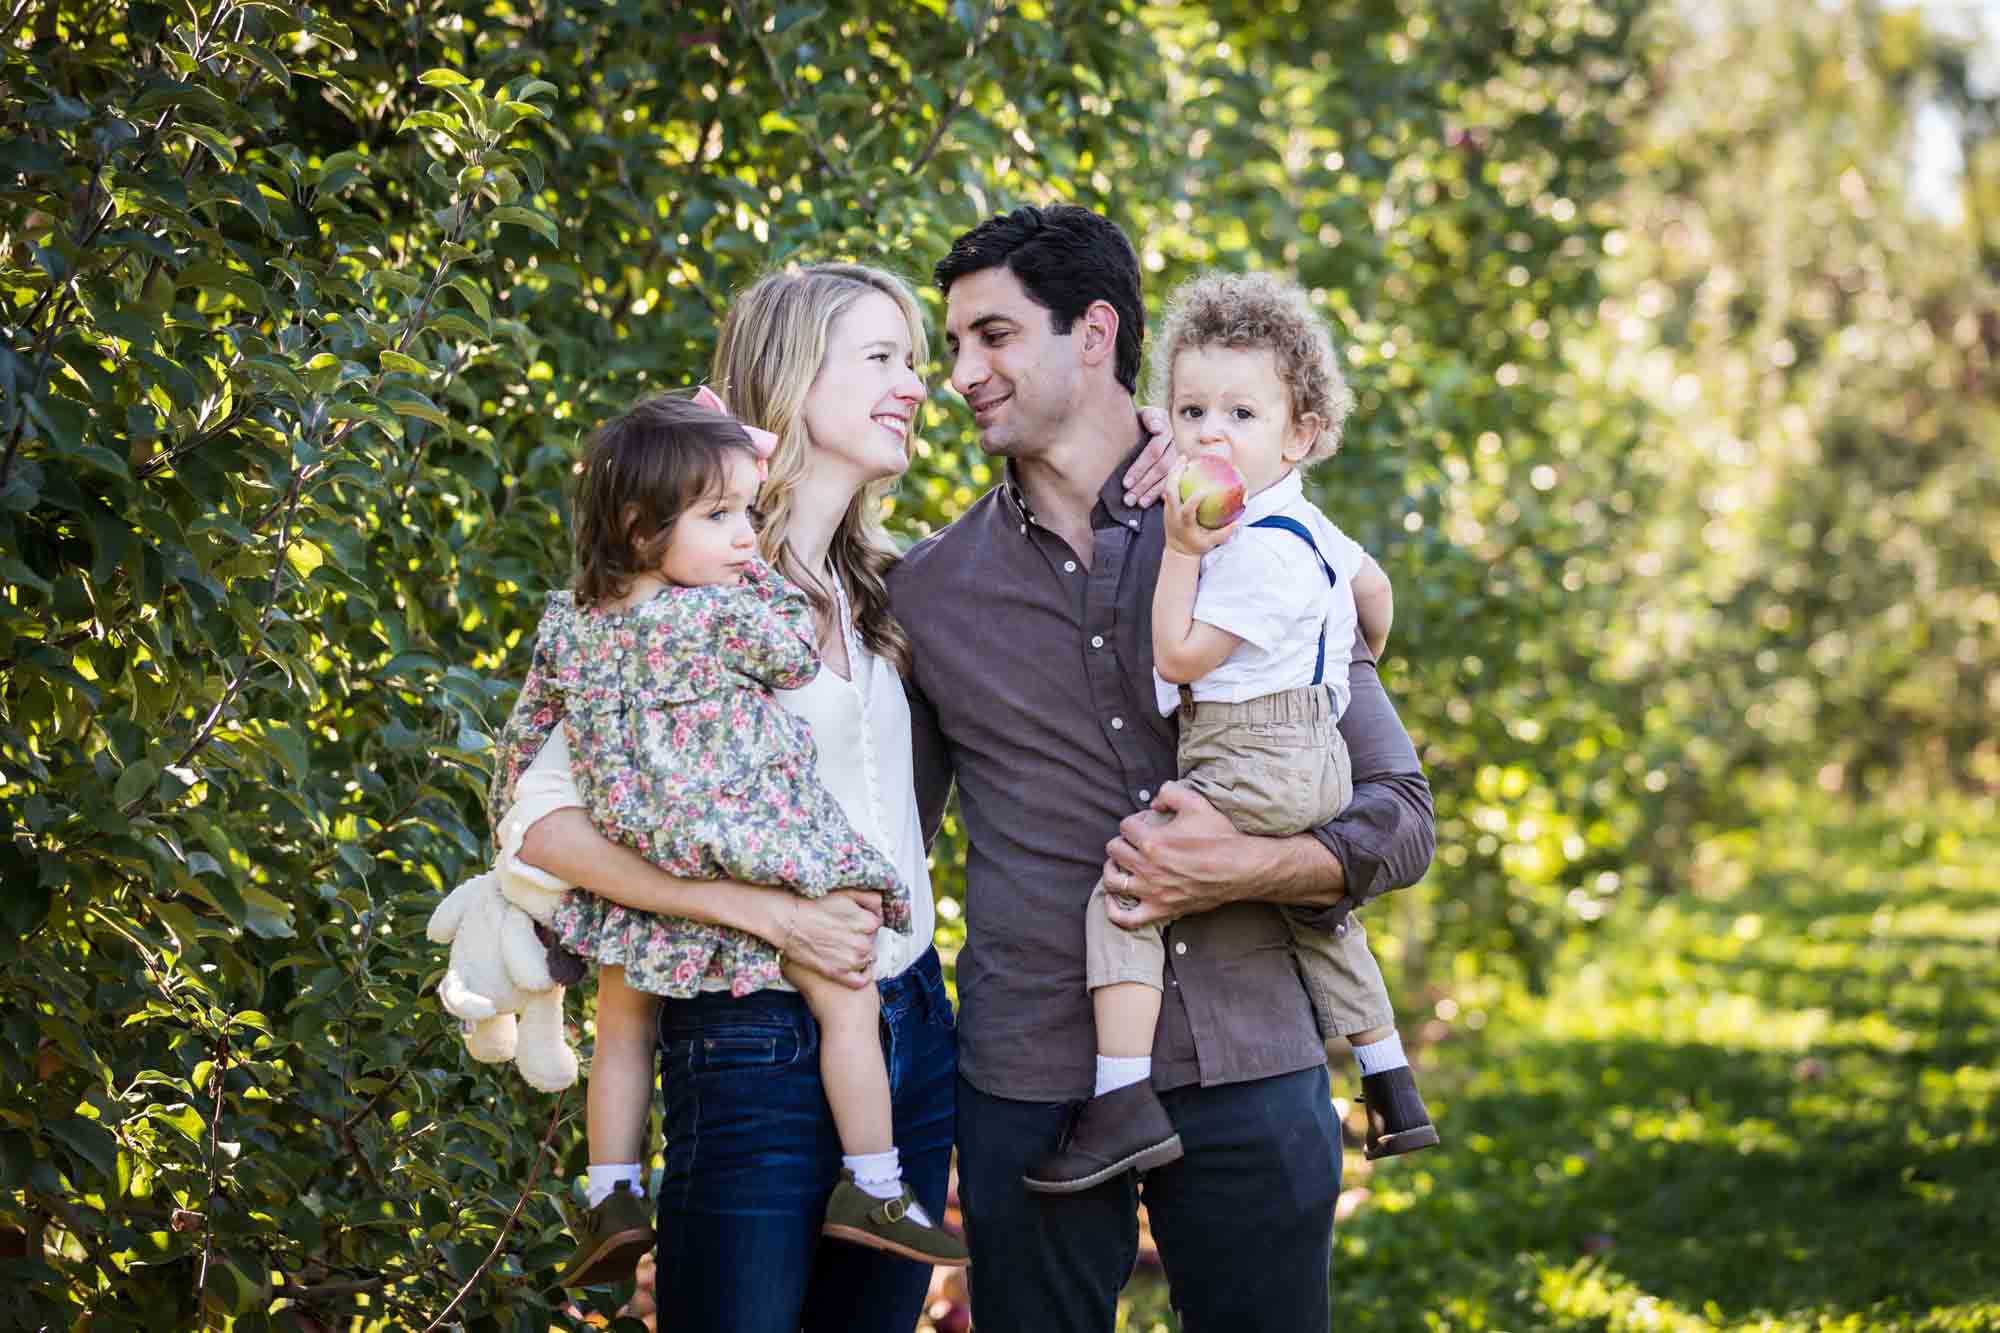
861	729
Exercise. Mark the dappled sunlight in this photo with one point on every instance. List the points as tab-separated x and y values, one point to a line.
1733	1111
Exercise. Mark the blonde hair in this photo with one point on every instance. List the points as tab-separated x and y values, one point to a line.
772	345
1248	310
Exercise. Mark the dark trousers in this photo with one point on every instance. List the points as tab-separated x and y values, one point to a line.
752	1156
1244	1222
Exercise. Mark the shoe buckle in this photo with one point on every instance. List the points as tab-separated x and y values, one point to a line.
894	1210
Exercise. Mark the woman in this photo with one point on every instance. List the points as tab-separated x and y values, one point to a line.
825	358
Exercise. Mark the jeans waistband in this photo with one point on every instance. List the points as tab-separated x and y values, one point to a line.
918	987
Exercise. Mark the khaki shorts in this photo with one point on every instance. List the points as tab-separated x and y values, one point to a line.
1276	766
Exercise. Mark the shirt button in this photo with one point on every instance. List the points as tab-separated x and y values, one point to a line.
1145	795
1180	946
1340	929
1024	529
1131	522
1069	566
1097	640
1118	724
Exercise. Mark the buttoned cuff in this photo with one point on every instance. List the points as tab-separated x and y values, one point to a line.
1359	873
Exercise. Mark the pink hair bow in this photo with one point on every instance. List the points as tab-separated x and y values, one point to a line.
762	442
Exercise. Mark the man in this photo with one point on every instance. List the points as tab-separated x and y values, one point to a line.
1032	689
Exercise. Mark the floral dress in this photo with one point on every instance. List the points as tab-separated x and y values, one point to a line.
683	754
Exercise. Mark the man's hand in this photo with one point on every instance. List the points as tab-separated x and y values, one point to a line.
1147	477
1178	858
1183	856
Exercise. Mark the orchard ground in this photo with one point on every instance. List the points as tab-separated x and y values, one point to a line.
1763	1102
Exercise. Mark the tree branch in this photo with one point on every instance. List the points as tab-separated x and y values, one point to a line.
215	1095
548	1136
750	27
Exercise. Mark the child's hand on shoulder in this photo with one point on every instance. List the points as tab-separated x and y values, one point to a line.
1185	534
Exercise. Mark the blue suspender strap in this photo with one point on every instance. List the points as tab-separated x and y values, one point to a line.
1298	529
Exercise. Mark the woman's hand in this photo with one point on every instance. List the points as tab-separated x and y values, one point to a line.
834	936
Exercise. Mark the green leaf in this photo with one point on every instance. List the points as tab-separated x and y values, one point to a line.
266	917
274	372
19	574
522	217
409	403
791	15
347	160
457	325
135	782
432	120
262	59
409	365
372	413
441	77
216	142
470	290
93	1143
211	275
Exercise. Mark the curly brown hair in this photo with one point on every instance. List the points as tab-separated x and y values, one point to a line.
1242	310
640	472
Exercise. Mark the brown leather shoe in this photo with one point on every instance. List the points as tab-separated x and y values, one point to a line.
1126	1129
1398	1122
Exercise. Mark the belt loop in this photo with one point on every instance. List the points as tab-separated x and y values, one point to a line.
1187	696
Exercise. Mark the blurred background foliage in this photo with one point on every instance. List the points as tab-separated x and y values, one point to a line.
1676	434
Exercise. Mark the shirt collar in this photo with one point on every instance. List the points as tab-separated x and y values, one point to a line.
1010	486
1280	493
1111	495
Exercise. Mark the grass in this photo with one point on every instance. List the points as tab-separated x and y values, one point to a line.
1764	1102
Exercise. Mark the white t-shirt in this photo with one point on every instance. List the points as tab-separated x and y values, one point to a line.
1265	587
861	729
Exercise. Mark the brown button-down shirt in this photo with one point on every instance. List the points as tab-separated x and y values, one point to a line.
1033	687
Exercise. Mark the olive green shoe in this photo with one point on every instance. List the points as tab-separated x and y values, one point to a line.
609	1240
894	1225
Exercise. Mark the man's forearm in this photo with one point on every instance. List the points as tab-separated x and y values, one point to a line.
1298	871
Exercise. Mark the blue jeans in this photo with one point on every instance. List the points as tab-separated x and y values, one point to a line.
752	1156
1244	1222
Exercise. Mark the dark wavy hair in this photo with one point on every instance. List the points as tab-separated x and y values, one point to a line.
1066	257
640	472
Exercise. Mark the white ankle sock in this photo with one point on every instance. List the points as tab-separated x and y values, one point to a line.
1379	1057
879	1174
1118	1071
604	1177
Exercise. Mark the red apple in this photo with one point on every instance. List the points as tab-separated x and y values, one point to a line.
1213	484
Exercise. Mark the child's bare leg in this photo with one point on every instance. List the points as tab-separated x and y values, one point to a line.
850	1060
1127	1014
619	1101
1123	969
612	1235
871	1205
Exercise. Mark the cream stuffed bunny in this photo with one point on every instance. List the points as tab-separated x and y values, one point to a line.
499	971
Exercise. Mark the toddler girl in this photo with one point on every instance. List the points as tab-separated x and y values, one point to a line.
1253	626
660	667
